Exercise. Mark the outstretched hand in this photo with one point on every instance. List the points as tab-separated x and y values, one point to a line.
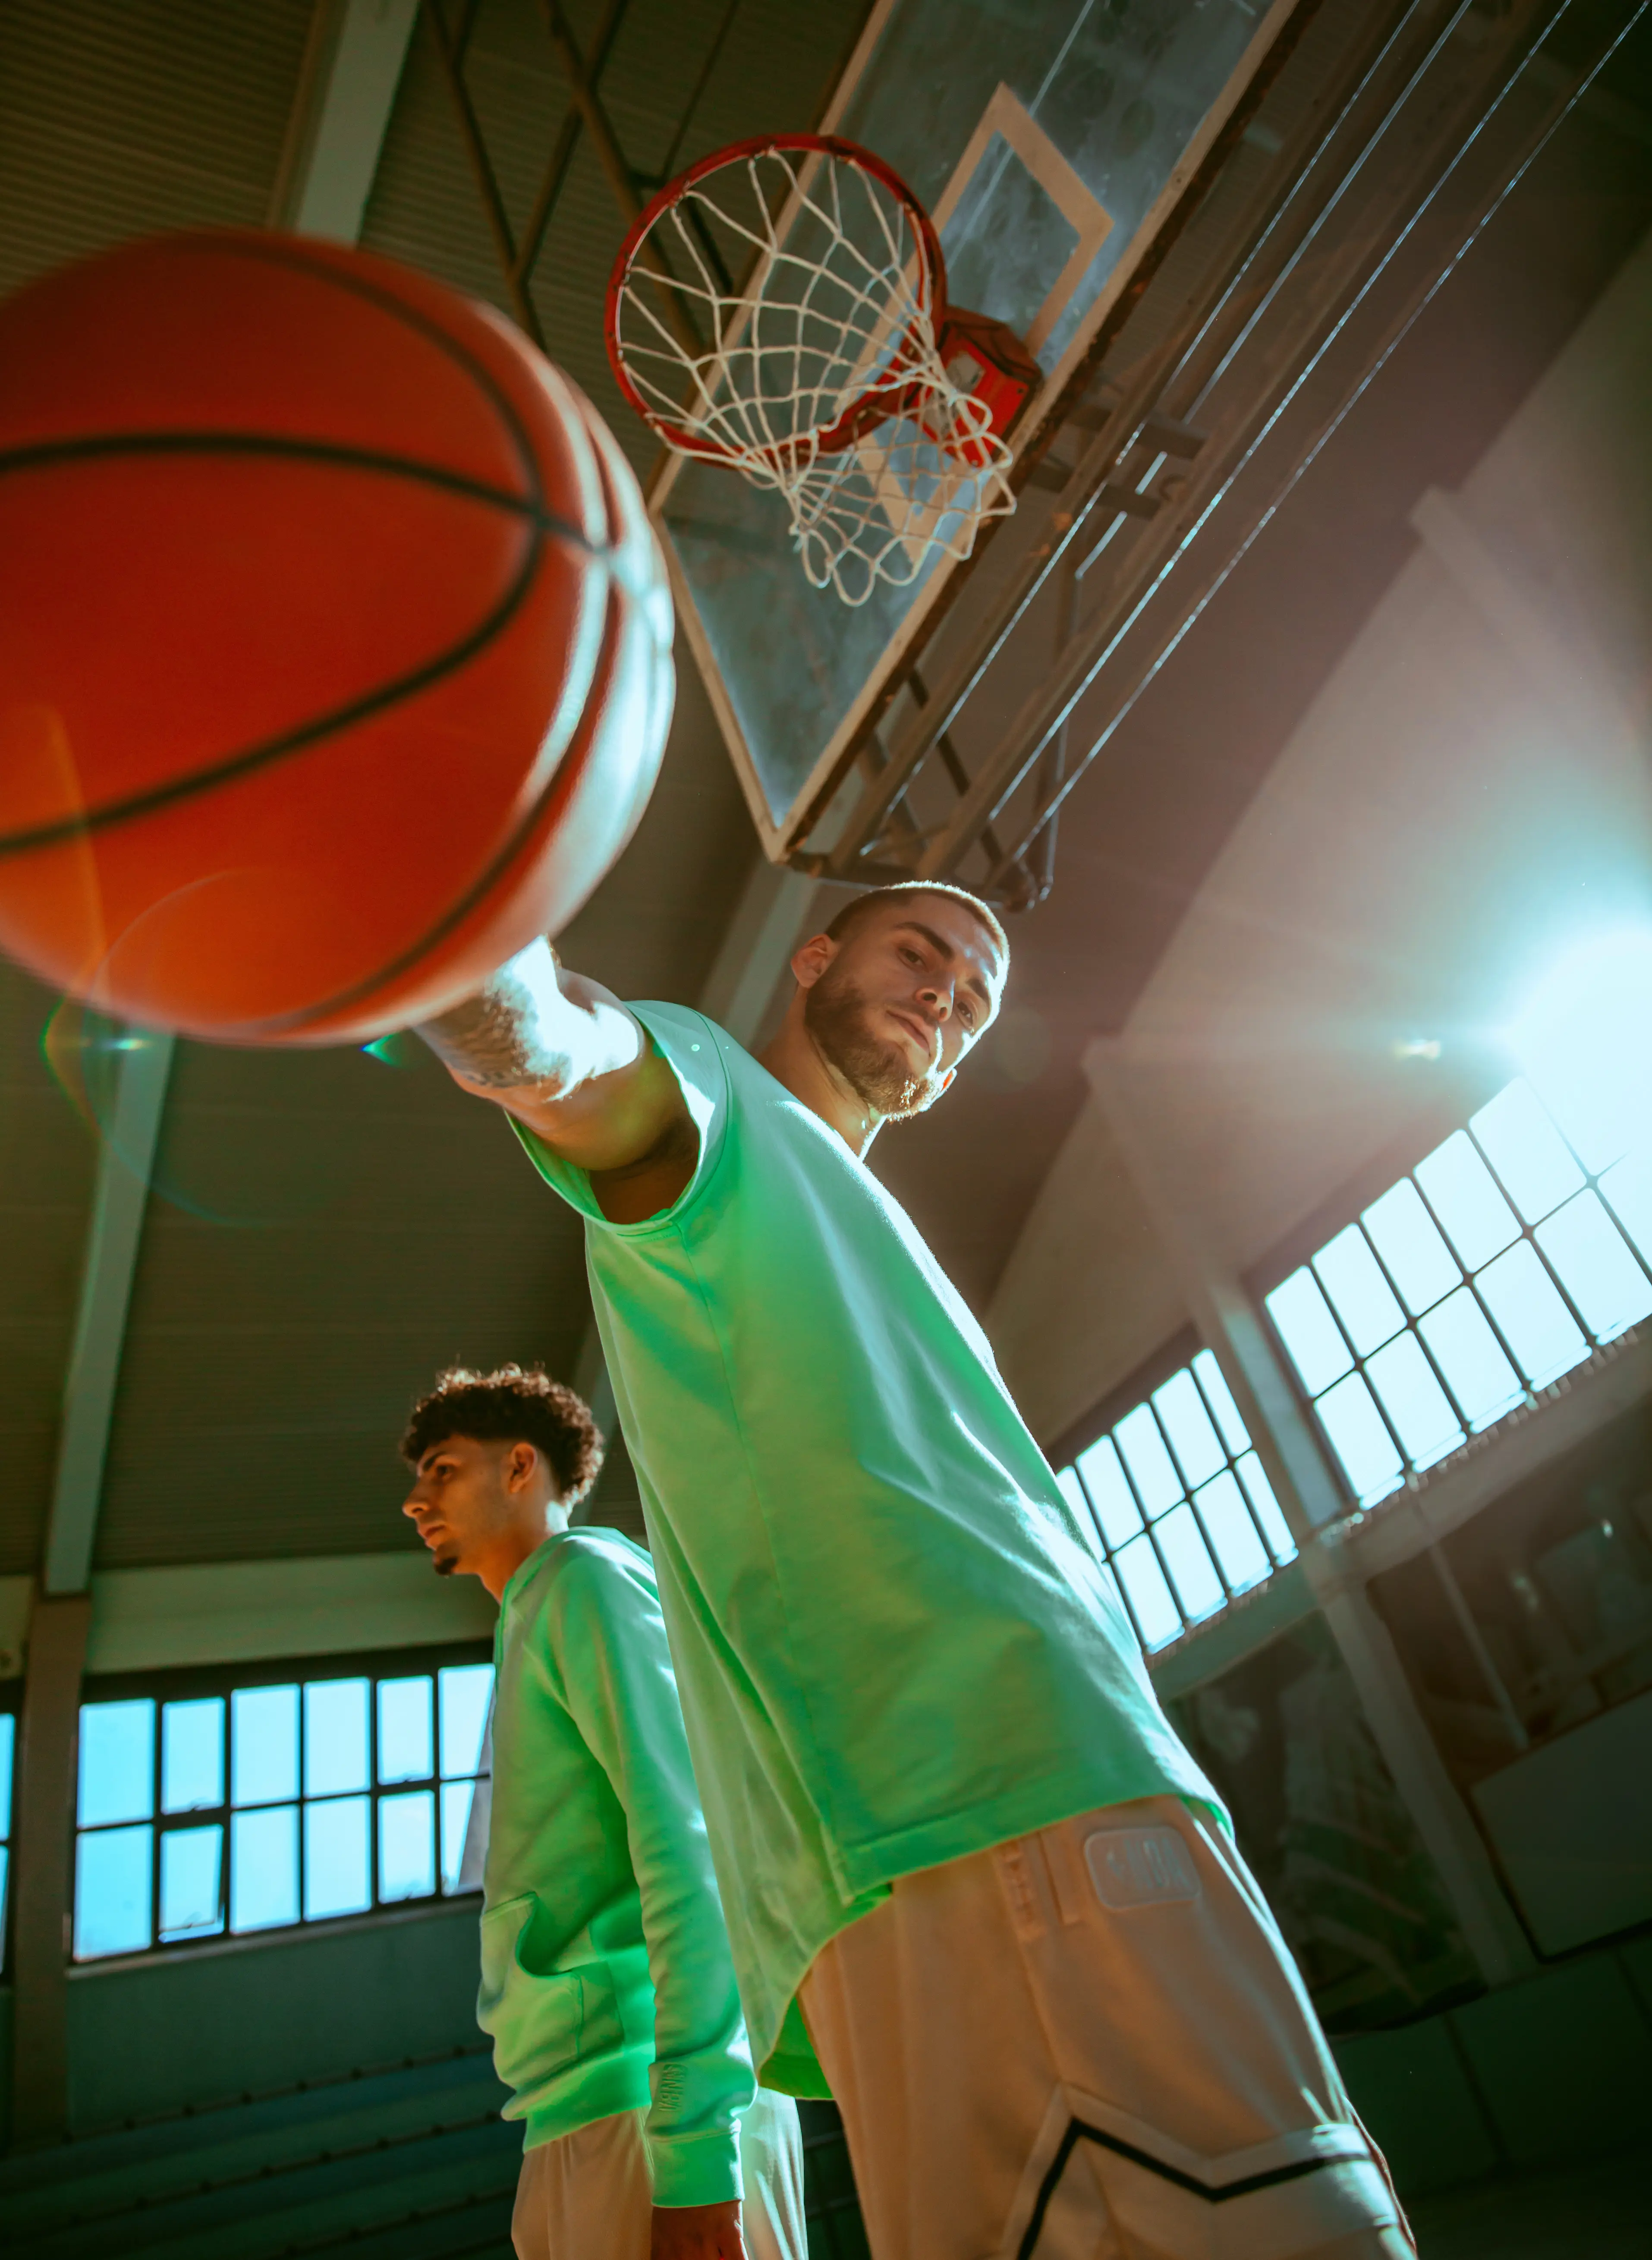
697	2232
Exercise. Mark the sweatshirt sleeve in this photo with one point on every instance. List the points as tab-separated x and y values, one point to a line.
621	1693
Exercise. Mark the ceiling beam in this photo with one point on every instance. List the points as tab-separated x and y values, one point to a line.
111	1259
346	90
771	918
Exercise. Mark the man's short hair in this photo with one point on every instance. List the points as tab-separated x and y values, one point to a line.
856	911
512	1405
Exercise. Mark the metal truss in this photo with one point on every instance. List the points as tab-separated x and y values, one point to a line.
451	24
1299	293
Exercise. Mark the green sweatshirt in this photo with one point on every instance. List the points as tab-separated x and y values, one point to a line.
606	1980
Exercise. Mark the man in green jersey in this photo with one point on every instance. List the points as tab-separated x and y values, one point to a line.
976	1889
606	1981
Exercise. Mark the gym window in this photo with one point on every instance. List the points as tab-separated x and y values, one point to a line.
239	1802
1186	1517
1505	1258
8	1751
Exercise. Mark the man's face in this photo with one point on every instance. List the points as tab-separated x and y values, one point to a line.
460	1500
910	990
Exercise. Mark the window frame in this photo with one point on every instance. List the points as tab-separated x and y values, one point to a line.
162	1685
1136	1392
1396	1164
10	1707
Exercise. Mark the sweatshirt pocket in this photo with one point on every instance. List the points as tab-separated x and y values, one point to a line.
542	2023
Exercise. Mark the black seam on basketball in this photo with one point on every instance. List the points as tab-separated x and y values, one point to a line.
291	257
45	455
1245	2187
462	905
290	741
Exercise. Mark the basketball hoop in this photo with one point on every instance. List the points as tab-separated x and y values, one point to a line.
782	308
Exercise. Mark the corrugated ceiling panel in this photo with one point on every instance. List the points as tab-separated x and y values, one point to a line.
331	1232
121	116
47	1161
776	68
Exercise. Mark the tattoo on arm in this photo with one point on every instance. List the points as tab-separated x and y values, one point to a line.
495	1039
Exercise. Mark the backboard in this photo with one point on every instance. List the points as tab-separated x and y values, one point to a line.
1050	139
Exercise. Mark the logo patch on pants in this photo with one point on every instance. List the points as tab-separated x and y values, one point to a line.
1140	1867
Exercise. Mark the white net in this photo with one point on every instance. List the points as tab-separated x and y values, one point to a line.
815	374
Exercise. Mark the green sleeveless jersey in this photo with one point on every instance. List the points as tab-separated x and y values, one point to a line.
894	1641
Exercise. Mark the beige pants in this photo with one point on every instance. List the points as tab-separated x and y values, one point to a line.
590	2196
1092	2044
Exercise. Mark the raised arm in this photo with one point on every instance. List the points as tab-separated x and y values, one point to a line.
566	1058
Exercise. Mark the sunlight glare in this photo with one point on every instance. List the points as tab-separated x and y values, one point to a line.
1584	1039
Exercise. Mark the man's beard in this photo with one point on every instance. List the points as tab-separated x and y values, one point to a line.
836	1013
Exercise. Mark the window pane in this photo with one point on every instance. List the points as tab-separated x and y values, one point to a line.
1067	1483
191	1886
1353	1278
1193	1439
404	1731
456	1797
1359	1440
1470	1356
1527	1305
1463	1194
264	1744
1592	1262
192	1755
1267	1508
1156	1614
1534	1161
1240	1552
1408	1240
1628	1187
1218	1396
8	1729
1110	1494
117	1766
112	1892
1157	1483
1188	1559
337	1877
335	1736
407	1845
1415	1401
264	1867
464	1691
1308	1330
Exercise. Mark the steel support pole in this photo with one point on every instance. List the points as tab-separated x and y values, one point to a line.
1232	1330
42	1886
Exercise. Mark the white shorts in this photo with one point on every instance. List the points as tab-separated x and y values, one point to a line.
590	2195
1092	2044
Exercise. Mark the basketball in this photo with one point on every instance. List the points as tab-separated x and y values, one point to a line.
334	639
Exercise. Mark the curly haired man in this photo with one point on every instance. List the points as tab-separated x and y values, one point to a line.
606	1980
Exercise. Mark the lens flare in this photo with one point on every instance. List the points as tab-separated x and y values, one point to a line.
250	1139
1585	1039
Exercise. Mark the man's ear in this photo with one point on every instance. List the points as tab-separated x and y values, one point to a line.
519	1463
811	961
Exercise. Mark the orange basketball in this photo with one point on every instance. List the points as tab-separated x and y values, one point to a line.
334	640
